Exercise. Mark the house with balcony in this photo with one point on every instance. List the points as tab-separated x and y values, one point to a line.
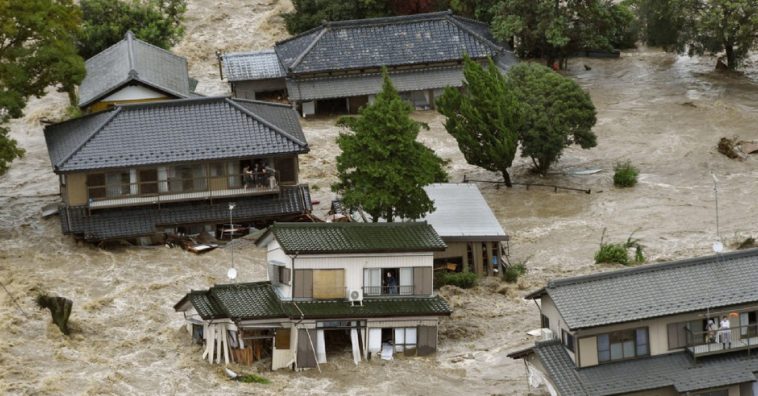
364	287
336	67
133	71
146	169
474	237
645	330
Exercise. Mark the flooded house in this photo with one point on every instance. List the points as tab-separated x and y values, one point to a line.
142	170
336	67
335	289
133	71
474	237
686	327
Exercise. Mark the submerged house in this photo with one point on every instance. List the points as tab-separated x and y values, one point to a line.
475	240
646	330
337	66
173	167
365	287
133	71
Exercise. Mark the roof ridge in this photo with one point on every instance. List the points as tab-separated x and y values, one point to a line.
307	49
350	224
90	137
390	19
106	50
169	102
130	52
266	122
248	53
476	35
260	102
715	258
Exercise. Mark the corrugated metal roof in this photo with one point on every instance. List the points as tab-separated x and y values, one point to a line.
371	83
130	60
256	65
462	213
324	238
675	370
655	290
174	131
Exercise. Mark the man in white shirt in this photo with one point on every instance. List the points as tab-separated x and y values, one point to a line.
724	333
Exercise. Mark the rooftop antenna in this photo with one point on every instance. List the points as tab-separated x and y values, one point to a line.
718	246
232	273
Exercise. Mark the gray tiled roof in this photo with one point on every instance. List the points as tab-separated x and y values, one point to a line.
173	131
323	238
130	60
141	221
250	301
670	370
462	213
256	65
371	83
403	40
655	290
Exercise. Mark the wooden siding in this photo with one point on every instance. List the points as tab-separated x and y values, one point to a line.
76	189
423	280
303	284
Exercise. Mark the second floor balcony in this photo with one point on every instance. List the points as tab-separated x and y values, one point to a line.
718	341
388	291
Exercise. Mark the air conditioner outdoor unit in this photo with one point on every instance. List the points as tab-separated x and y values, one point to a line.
355	296
547	335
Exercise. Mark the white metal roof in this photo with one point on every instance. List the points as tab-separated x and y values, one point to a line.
462	213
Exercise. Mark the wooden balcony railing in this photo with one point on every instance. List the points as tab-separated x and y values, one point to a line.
737	338
176	189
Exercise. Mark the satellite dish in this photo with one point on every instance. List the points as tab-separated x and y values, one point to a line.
718	247
231	274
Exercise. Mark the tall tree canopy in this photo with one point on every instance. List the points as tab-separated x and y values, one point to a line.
660	21
158	22
484	118
728	26
382	168
557	113
36	51
555	30
311	13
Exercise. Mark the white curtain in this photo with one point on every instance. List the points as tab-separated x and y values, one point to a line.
133	186
399	339
372	278
232	169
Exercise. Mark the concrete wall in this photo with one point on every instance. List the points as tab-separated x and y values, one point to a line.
248	89
132	93
557	325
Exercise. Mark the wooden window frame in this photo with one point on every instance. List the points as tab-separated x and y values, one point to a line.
568	340
634	347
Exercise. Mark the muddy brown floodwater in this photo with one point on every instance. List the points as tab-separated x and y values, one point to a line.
664	113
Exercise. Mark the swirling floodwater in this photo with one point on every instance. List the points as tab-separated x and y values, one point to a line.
664	113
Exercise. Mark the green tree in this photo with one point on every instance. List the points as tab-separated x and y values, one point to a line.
382	168
36	51
728	26
557	113
158	22
484	118
309	14
661	22
555	30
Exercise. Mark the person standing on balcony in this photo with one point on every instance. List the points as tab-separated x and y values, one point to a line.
725	334
391	284
247	177
711	329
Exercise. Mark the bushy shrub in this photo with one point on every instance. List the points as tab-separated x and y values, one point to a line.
513	272
254	378
625	174
464	280
612	253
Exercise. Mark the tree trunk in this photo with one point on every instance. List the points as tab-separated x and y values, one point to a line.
506	178
731	61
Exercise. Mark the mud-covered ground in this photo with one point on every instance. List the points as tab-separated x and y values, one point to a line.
662	112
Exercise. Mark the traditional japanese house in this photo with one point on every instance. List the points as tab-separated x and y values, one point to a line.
365	286
645	330
337	66
475	240
133	71
137	170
